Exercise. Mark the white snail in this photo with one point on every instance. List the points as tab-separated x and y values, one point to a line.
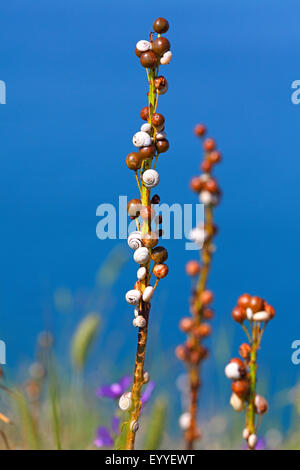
185	421
236	403
143	45
249	313
134	426
261	316
139	321
204	177
133	296
141	273
246	434
197	235
166	58
252	441
161	135
146	377
141	139
151	178
206	197
135	240
125	401
232	371
148	294
141	255
146	127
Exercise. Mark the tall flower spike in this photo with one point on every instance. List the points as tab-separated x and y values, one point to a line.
197	328
243	372
151	142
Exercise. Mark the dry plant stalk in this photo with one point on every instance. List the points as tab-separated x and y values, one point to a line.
192	352
243	372
151	142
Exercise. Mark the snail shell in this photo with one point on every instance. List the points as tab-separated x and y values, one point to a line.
139	321
141	273
166	58
185	421
249	313
246	434
135	240
133	296
161	136
141	255
232	371
146	377
125	401
261	316
141	139
252	441
236	403
146	127
206	197
143	45
148	294
134	426
151	178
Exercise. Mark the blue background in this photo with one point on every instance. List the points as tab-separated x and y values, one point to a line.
74	91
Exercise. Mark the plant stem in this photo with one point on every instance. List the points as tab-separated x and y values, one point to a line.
253	372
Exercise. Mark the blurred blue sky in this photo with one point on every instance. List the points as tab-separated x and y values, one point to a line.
74	91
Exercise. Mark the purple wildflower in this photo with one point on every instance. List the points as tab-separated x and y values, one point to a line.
114	390
148	392
105	437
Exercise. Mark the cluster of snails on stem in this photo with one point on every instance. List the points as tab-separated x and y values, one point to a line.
197	328
243	371
151	142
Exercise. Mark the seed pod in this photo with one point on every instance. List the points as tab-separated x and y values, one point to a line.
147	213
144	113
199	130
244	301
147	152
203	330
240	388
245	350
139	321
138	53
160	271
206	166
133	296
143	46
214	157
159	255
192	268
208	313
161	45
134	161
141	273
237	403
166	58
134	207
160	82
150	240
125	401
261	405
239	314
209	145
157	120
141	139
160	25
186	324
181	353
270	310
155	199
185	421
141	255
206	297
161	136
148	294
256	304
134	426
211	186
261	316
149	59
150	178
252	441
135	240
162	146
196	184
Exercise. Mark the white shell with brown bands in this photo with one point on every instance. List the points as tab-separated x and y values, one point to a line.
151	178
135	240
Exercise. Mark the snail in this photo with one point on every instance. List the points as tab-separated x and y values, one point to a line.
134	426
125	401
141	273
161	136
139	321
261	316
249	313
246	434
133	296
135	240
206	197
197	235
146	127
148	294
252	441
185	421
151	178
261	405
237	403
232	371
141	139
141	255
143	45
146	377
166	58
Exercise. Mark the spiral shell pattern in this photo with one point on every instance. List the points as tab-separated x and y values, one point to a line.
125	401
143	45
151	178
139	321
141	255
133	296
135	240
141	139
